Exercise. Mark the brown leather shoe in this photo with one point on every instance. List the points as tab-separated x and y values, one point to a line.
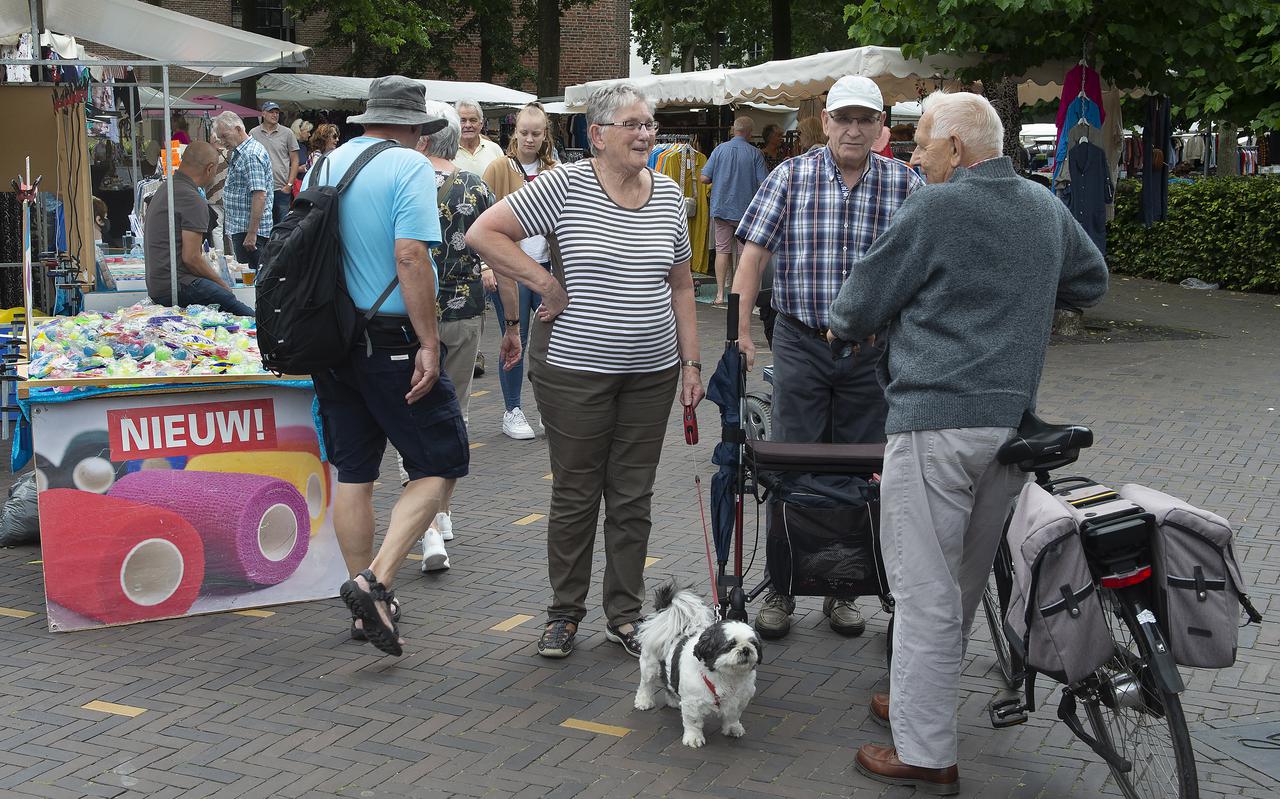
881	764
880	709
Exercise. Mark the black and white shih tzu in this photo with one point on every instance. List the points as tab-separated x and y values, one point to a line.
702	664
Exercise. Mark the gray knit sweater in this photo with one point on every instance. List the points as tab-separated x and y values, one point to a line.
966	278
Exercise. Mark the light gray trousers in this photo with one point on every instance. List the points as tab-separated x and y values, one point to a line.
944	503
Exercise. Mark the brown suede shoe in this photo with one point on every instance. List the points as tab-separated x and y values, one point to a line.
881	764
880	709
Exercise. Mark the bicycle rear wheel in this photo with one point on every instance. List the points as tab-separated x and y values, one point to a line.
995	604
1139	720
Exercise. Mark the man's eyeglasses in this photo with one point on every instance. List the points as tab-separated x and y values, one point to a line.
631	126
862	121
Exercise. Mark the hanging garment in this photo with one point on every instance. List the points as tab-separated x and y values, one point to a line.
682	163
1155	172
1082	108
1080	81
1090	191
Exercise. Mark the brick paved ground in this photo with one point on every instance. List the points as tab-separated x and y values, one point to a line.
287	706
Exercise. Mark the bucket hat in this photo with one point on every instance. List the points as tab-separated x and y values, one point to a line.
397	100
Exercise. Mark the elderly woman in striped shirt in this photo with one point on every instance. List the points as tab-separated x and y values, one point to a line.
614	339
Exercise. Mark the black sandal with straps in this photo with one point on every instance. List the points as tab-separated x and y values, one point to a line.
363	606
557	638
357	633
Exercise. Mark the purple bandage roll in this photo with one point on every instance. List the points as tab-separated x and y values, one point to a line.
255	528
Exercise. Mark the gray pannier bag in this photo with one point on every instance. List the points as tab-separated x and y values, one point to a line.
1197	580
1055	616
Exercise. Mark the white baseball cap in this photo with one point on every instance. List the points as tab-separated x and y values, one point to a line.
854	90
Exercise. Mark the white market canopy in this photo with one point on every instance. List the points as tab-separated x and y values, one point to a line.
337	91
799	79
158	34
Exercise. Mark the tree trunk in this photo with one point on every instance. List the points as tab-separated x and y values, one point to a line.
486	49
664	56
1228	149
548	48
686	57
1003	94
781	13
714	37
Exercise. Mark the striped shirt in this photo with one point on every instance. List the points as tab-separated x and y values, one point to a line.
817	229
250	171
616	262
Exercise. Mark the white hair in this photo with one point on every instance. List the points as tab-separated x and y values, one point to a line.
604	103
472	104
228	120
744	124
970	118
444	142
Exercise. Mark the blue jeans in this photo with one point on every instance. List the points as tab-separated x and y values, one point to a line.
513	380
280	202
204	291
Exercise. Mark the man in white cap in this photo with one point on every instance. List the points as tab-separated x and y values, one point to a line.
816	215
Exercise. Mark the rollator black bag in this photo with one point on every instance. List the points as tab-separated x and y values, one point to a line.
824	535
1198	584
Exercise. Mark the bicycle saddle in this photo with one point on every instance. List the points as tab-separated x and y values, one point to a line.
1043	446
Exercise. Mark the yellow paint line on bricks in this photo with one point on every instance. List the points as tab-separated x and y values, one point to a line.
34	562
113	708
14	613
477	444
650	561
480	393
546	476
530	519
591	726
511	623
412	556
254	613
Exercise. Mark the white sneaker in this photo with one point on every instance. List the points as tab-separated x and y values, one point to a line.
444	524
514	425
434	557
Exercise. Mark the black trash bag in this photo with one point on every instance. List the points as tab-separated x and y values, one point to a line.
20	522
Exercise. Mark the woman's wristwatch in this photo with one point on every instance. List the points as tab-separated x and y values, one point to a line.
690	362
512	323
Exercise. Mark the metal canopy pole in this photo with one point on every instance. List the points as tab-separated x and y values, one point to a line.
133	138
171	172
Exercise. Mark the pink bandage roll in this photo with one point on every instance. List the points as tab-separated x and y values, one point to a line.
255	528
115	560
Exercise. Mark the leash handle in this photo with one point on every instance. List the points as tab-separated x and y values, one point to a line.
690	426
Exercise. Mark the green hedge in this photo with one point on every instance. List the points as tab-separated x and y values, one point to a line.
1221	230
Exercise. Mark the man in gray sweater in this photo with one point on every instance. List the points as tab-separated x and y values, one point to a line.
966	278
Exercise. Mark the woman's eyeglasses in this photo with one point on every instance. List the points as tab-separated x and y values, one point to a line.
631	126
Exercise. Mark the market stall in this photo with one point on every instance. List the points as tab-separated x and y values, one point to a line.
175	476
338	92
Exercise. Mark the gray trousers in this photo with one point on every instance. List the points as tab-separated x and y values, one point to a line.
604	436
461	340
944	501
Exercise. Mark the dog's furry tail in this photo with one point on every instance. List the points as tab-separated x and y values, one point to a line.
679	611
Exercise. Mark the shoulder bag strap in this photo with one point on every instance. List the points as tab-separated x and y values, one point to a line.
442	193
361	161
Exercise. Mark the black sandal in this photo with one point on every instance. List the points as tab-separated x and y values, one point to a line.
357	633
363	606
557	638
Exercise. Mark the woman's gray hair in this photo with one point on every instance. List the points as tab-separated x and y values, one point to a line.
444	142
228	120
970	118
472	104
603	104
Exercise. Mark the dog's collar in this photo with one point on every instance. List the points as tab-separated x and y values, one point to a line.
712	688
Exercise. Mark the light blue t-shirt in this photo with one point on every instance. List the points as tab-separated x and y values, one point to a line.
393	197
736	169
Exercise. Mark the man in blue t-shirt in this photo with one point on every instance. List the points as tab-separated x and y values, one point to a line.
735	170
391	386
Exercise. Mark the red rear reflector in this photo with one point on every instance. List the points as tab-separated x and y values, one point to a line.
1126	580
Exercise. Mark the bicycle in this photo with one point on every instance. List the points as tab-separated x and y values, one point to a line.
1132	702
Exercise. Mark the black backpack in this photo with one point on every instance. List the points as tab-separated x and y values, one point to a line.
306	319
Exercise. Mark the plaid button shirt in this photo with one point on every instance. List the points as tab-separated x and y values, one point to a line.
250	171
816	228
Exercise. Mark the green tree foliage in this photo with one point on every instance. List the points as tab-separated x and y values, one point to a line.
700	34
1220	230
384	36
1215	59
